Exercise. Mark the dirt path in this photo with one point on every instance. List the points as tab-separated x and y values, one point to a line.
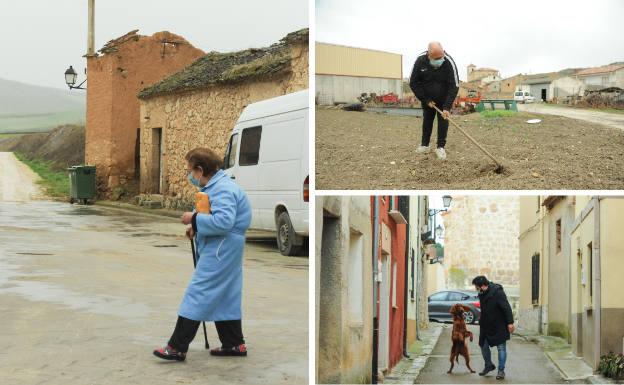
371	151
608	119
17	181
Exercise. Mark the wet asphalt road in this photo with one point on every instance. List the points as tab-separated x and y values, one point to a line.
526	363
87	292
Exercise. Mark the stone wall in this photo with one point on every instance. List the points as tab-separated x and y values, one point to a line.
344	290
204	118
127	65
481	238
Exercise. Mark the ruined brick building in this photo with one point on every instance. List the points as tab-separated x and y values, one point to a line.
121	69
199	106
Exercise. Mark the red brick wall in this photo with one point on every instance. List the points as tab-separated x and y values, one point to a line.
399	233
114	80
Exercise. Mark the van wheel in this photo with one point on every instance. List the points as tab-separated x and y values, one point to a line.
286	236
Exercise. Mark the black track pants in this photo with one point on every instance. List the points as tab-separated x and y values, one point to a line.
428	115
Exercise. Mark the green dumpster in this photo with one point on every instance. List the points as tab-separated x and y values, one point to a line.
81	183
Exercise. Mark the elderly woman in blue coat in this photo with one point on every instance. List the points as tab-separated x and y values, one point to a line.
214	293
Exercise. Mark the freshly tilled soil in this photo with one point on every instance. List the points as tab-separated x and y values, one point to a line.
372	151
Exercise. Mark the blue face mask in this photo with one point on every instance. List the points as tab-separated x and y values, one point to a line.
194	181
436	63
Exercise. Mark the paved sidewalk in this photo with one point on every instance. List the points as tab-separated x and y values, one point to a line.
571	367
408	368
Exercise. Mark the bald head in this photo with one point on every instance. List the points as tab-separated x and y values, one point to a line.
435	50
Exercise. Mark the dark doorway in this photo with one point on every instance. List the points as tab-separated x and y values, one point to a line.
156	160
137	156
544	94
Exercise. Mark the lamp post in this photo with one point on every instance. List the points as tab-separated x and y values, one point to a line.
437	231
70	78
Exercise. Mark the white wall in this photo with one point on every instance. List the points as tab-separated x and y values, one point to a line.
332	89
566	86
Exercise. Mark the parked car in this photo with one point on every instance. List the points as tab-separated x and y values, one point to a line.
524	97
440	304
267	155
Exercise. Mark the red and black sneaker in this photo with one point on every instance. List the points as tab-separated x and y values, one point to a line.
169	353
236	351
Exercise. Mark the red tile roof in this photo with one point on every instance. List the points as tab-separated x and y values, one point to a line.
600	70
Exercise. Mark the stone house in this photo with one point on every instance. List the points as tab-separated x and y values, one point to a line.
508	86
571	269
199	106
344	282
545	225
485	75
481	238
597	78
122	68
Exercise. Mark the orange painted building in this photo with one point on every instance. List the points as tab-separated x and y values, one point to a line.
390	283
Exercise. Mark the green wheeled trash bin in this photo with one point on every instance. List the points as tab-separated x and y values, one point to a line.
81	183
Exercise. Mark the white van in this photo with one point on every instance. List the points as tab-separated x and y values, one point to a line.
524	97
268	157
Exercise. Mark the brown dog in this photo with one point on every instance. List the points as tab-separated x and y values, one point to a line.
460	332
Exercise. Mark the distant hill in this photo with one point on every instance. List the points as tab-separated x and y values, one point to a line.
30	108
50	146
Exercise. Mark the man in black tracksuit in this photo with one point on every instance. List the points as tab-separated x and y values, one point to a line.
495	325
435	80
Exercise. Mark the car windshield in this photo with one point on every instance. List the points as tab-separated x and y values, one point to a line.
518	93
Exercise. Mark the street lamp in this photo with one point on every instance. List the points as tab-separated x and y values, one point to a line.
438	231
70	78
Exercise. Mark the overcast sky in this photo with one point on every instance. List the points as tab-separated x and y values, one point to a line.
41	38
528	36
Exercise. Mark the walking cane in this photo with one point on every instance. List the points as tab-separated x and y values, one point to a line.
195	266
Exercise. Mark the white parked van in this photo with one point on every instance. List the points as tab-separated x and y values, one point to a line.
268	157
523	97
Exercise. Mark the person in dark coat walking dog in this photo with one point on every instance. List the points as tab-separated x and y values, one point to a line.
496	323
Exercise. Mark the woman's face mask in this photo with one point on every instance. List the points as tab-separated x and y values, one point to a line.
194	181
436	63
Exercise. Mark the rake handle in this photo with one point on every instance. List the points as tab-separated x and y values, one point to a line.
470	137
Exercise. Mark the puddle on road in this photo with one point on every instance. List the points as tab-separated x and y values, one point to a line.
13	282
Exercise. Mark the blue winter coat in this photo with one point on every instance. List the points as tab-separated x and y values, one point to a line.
214	293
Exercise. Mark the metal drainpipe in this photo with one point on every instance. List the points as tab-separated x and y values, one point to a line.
418	267
375	315
597	282
540	329
407	246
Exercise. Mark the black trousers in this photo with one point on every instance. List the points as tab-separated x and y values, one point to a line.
230	333
428	115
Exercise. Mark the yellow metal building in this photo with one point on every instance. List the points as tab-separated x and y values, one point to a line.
344	73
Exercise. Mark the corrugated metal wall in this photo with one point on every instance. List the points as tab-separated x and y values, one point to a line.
345	89
348	61
536	90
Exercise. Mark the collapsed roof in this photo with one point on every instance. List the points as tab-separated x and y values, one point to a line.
223	68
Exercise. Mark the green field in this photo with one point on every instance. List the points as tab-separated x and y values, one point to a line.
32	123
55	183
497	113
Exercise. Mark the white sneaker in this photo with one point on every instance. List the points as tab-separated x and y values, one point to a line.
441	154
422	149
